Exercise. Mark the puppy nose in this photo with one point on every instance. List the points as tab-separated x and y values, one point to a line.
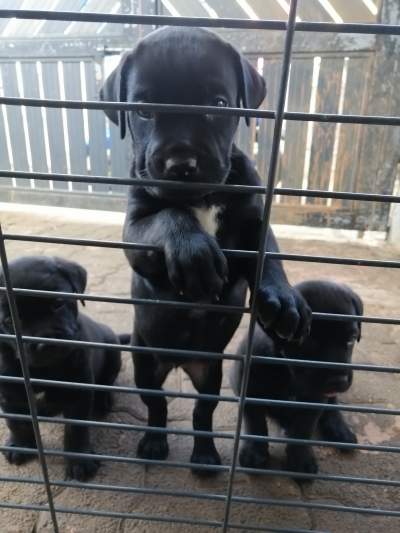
180	167
340	383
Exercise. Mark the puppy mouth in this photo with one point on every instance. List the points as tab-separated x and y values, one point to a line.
180	193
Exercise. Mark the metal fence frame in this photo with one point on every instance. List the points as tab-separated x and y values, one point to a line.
278	116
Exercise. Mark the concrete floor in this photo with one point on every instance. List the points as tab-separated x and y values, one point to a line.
109	274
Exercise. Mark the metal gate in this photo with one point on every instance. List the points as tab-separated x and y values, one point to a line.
67	109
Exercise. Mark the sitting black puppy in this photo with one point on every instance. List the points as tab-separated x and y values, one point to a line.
55	318
329	341
191	227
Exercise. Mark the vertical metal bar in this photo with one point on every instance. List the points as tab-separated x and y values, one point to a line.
26	374
290	29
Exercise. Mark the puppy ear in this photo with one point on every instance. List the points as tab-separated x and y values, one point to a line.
74	273
253	88
359	310
115	90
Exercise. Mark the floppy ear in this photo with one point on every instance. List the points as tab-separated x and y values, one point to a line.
359	309
115	90
253	88
74	273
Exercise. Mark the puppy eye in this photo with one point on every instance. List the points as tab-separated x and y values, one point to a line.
146	115
220	102
7	322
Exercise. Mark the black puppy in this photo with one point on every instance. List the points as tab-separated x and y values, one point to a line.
55	318
191	226
330	341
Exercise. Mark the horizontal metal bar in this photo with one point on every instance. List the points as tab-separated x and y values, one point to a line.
213	397
202	110
157	20
222	187
206	355
198	433
207	496
111	514
151	518
217	308
239	499
229	252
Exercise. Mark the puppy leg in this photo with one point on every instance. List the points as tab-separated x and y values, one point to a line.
79	405
333	427
301	457
152	445
103	400
254	454
21	436
206	376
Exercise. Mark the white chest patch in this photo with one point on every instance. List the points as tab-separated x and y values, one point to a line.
209	218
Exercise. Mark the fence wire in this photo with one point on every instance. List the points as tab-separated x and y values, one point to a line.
278	115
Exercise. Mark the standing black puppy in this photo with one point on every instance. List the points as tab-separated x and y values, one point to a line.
330	341
55	318
191	226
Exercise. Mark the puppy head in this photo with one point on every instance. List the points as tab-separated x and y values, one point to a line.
330	340
43	317
182	66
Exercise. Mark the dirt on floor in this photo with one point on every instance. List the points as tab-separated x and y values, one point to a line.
109	274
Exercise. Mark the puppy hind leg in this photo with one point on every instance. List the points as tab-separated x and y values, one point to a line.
103	400
77	437
206	376
254	453
301	457
334	428
153	444
21	436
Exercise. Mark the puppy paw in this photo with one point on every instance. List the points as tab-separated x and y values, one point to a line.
196	267
153	446
302	460
17	458
341	433
208	456
81	469
251	456
283	310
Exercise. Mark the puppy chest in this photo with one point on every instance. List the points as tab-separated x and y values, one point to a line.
209	218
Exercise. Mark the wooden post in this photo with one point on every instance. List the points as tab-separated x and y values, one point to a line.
380	153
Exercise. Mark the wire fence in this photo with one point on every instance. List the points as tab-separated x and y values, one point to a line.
278	116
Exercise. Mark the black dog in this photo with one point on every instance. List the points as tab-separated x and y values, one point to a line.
329	341
55	318
191	226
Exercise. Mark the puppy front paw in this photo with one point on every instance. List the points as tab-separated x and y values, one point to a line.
153	446
205	456
81	469
253	456
340	433
18	458
196	266
301	460
282	309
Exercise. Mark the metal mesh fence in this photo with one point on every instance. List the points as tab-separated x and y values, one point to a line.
278	116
